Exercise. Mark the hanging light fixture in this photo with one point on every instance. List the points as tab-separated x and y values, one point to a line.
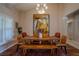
41	8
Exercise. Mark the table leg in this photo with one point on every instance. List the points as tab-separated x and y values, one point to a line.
24	51
40	42
51	51
17	47
55	51
65	49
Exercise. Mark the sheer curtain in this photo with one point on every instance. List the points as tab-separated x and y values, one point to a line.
76	28
6	29
73	28
1	30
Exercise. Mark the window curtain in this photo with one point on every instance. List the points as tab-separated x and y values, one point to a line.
6	29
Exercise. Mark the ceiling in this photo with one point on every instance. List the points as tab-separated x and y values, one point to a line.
21	6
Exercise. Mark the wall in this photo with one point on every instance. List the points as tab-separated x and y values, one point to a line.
57	13
26	19
61	22
11	12
68	9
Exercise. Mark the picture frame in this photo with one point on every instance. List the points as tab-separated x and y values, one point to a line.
41	24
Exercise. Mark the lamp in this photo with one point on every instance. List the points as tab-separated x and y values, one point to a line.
41	8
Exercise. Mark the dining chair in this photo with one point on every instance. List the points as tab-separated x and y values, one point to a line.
62	43
24	34
57	34
19	41
54	42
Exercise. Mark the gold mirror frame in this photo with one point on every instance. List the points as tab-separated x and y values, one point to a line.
41	24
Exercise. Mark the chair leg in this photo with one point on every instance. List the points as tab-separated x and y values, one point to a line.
55	51
17	48
21	51
65	49
51	51
24	51
61	47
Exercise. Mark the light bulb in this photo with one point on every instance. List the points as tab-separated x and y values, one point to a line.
41	8
38	5
44	5
37	8
43	11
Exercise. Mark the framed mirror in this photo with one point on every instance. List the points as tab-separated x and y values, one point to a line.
41	25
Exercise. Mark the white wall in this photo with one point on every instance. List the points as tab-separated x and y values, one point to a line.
68	9
57	14
26	19
10	12
56	11
61	23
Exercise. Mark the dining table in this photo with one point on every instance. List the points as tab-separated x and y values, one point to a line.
51	39
30	39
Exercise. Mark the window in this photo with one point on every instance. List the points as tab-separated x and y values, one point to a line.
1	30
6	29
76	28
73	27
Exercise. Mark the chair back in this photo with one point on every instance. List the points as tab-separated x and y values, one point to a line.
19	38
24	34
57	34
63	39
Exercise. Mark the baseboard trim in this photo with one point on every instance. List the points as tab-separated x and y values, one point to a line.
73	43
8	47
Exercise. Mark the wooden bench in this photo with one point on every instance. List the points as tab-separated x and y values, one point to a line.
25	47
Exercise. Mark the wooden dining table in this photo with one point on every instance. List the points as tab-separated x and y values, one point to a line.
51	39
25	47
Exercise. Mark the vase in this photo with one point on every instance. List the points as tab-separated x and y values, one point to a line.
40	35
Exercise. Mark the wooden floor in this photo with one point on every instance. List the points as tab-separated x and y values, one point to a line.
71	51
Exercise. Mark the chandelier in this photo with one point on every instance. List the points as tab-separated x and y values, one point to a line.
41	8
